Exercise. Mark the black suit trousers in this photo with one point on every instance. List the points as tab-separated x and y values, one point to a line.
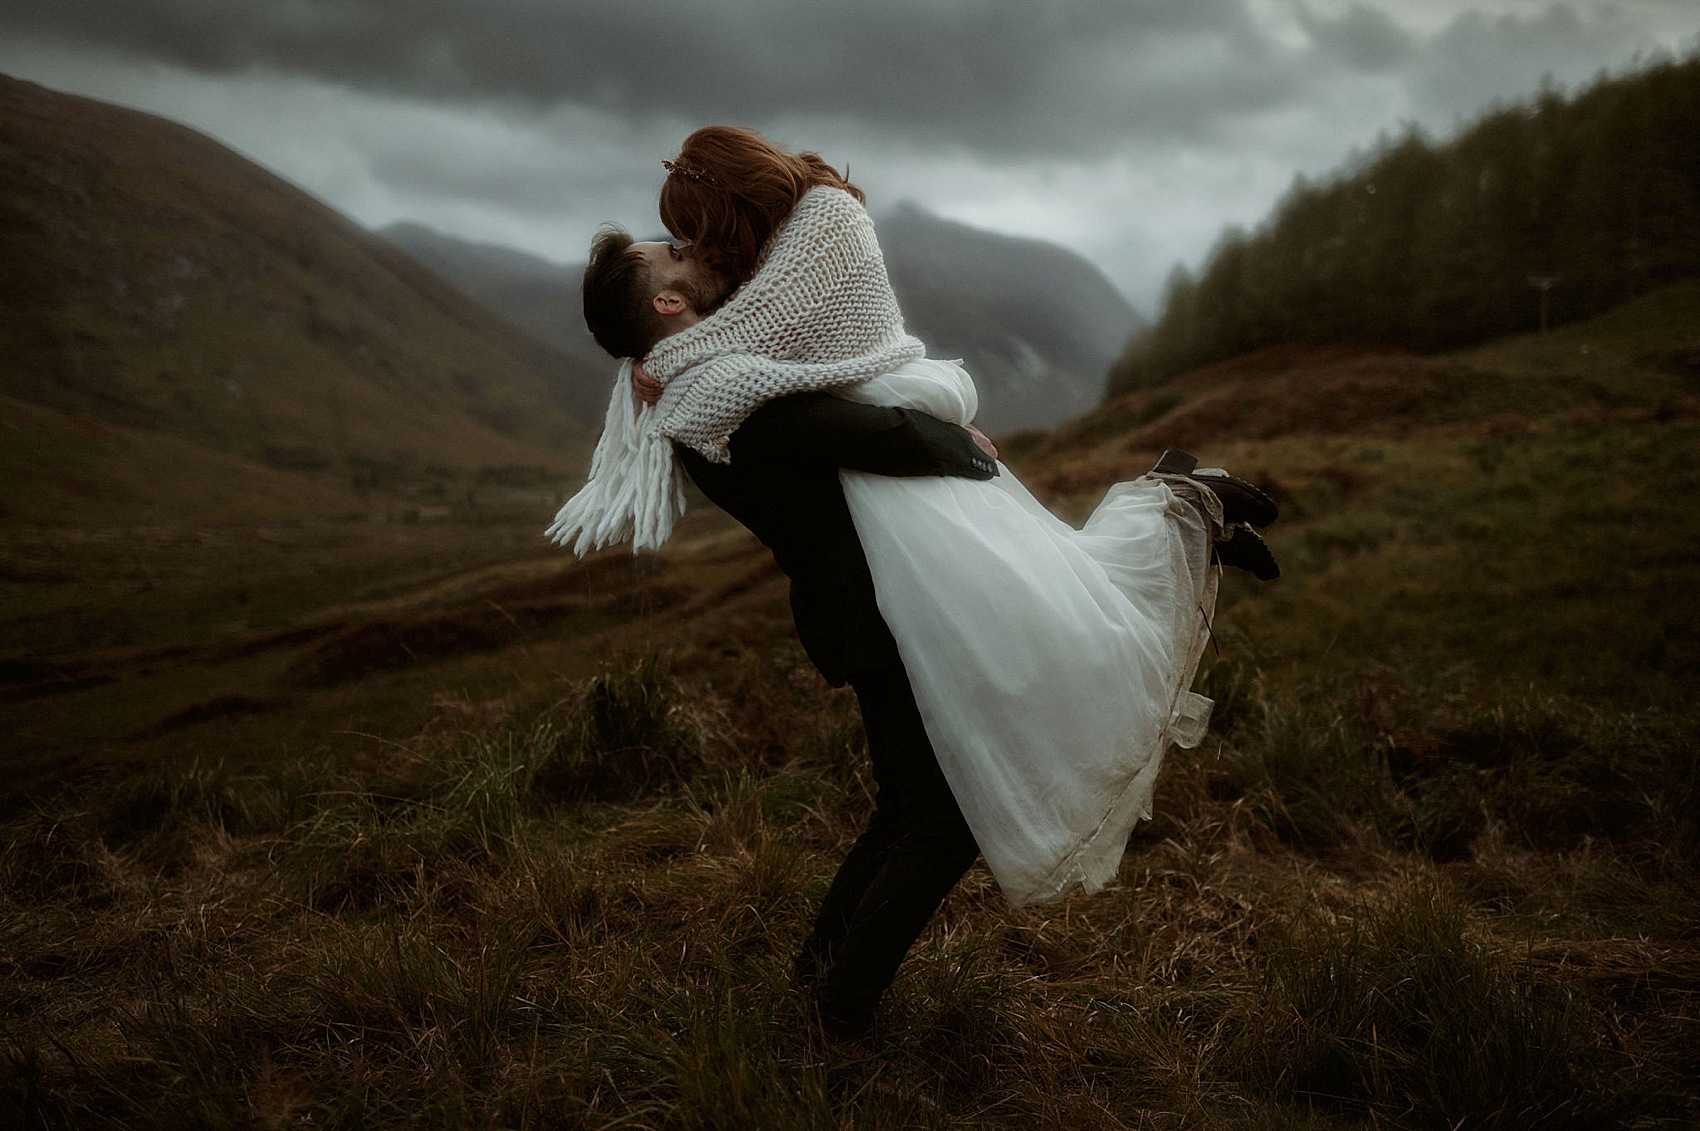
916	846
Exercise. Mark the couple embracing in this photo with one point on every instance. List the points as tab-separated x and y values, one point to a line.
1019	680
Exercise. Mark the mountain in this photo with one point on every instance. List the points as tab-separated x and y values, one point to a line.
157	286
538	296
1036	325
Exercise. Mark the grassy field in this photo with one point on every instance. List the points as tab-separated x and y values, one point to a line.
457	834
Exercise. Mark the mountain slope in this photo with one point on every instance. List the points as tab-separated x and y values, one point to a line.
1639	361
154	280
540	297
1036	325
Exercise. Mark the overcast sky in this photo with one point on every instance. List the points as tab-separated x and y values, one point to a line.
1129	130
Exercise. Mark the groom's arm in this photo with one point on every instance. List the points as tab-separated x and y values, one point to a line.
820	428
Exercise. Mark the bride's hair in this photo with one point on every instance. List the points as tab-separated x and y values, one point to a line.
730	189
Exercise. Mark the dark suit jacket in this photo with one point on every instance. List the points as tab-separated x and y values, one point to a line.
783	485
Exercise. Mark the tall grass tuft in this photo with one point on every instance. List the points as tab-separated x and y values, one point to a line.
444	807
159	816
58	860
1310	769
628	732
1559	772
719	1064
394	985
1401	1008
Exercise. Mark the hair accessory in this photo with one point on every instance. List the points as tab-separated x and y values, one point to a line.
686	169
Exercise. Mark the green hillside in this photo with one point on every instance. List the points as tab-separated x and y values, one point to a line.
1556	208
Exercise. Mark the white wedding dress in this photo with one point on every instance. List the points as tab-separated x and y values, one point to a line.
1052	666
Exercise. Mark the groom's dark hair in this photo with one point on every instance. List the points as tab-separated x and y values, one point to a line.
617	290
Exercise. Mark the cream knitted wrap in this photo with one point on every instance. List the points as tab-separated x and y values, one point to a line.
818	314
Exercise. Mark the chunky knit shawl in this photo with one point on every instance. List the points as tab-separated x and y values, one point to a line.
818	314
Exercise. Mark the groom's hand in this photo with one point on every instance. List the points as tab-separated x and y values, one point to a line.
983	440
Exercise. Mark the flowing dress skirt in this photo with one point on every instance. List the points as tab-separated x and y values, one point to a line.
1052	666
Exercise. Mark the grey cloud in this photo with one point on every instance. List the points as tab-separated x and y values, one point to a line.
1363	39
529	175
1476	60
528	121
512	184
1001	76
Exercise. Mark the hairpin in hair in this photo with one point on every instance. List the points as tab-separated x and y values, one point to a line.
686	169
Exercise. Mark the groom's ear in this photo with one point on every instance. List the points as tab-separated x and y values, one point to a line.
669	303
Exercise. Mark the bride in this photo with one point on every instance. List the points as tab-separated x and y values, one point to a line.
1052	666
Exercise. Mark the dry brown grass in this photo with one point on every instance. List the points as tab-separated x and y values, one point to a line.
540	852
430	935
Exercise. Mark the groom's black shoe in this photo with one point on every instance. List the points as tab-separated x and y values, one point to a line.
1245	549
1241	502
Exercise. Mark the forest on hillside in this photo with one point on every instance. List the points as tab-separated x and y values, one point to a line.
1551	209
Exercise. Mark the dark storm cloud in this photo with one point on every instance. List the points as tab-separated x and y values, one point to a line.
1363	39
1477	59
1107	125
1010	76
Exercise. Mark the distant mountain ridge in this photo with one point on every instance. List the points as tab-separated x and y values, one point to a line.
1036	325
154	280
538	296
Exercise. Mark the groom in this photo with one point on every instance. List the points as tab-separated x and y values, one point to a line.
782	484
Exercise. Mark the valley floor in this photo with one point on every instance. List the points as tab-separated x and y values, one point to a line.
422	824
